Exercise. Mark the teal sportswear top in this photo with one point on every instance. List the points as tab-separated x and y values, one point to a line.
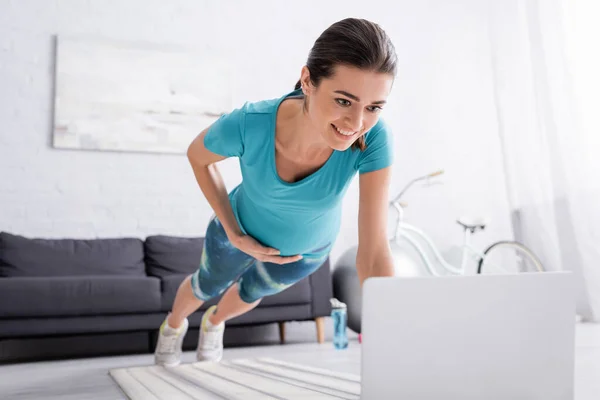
296	218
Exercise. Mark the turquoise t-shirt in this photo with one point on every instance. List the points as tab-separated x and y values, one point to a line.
296	218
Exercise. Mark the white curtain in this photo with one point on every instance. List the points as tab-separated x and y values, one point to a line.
543	88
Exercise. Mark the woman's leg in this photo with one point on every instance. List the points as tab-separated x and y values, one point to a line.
210	340
231	306
184	305
221	264
260	280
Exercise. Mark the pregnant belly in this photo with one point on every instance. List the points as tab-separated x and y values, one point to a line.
291	234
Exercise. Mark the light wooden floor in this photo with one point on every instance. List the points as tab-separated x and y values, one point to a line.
88	379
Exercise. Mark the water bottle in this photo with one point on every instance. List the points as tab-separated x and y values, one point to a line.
339	317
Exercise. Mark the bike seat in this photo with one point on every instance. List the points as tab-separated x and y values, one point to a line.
473	223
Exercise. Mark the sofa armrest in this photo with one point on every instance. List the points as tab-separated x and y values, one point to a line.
321	288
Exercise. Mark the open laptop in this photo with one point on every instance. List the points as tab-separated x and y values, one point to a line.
478	337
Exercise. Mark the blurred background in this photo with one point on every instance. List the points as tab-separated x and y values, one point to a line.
502	95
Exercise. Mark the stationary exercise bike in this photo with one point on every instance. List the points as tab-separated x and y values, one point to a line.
505	256
415	254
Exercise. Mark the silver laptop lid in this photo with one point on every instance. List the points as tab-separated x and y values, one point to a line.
469	337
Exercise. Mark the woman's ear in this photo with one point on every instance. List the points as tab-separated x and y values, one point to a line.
305	81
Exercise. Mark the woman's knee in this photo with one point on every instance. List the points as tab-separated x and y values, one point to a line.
248	295
205	289
267	279
251	297
257	283
244	295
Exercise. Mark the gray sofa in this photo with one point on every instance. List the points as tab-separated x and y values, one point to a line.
72	297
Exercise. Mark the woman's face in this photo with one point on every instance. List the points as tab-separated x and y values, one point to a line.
346	105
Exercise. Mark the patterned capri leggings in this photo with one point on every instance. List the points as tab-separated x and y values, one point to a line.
222	264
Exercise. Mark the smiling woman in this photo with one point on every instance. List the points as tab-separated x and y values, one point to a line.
347	103
350	51
298	154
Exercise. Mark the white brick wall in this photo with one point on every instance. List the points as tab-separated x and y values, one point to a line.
442	111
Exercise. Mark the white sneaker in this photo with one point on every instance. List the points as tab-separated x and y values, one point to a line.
169	344
210	340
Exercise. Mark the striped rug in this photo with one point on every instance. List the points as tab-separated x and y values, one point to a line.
247	379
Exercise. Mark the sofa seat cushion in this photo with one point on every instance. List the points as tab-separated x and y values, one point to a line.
297	294
168	255
78	296
25	257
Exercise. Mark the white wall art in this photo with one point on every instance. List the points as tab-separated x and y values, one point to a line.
143	98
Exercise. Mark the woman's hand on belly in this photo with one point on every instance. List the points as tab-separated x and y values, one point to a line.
252	247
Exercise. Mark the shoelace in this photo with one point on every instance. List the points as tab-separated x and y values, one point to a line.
167	343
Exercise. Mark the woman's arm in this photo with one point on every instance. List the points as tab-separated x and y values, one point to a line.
374	257
211	183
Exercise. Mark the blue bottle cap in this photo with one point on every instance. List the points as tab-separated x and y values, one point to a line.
335	303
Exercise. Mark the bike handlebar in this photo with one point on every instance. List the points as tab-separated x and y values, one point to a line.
433	174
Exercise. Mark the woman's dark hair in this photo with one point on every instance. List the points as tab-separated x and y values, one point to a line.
352	42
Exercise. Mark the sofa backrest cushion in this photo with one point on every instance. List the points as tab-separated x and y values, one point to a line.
23	257
168	255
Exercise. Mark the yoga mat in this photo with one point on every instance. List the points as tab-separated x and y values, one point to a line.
247	379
